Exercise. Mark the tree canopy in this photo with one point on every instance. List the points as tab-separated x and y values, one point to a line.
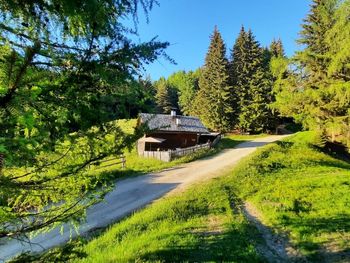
65	68
313	86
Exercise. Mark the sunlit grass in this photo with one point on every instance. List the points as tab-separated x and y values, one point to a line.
299	190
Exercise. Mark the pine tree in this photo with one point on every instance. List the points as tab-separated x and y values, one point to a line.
318	101
313	33
318	95
212	103
276	48
251	82
163	96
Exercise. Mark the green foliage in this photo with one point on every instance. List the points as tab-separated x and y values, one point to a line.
185	227
212	103
186	83
301	193
276	48
252	84
166	96
67	69
314	88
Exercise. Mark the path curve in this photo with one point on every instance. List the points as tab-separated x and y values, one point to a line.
134	193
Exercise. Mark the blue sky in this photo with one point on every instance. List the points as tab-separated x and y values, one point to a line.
188	24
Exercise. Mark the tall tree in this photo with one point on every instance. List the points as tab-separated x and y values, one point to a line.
315	90
252	83
164	96
212	103
63	65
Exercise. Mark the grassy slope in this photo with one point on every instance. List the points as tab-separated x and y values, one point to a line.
298	189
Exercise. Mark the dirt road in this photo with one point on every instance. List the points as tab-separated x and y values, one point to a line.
134	193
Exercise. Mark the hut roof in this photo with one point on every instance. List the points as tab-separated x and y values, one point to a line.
177	123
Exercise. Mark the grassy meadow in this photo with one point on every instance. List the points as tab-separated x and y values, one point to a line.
300	192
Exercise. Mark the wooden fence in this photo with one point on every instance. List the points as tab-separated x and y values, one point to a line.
185	151
164	156
170	155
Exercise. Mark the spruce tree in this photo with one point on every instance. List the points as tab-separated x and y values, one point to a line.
318	95
276	48
251	83
313	34
163	96
212	103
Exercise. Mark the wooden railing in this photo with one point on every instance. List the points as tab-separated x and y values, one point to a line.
167	156
185	151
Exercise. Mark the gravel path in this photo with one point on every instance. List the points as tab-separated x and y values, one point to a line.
134	193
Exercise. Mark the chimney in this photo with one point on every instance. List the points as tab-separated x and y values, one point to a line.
173	113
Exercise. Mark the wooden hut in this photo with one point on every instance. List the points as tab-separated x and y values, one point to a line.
171	132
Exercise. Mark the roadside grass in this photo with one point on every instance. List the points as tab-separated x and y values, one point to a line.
189	226
300	192
201	224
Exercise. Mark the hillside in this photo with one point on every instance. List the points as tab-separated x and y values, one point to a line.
300	193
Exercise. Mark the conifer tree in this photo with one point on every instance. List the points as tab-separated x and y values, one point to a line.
212	103
315	93
251	83
163	96
313	34
64	66
276	48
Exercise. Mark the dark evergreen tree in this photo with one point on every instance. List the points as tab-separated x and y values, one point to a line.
313	36
166	96
212	103
251	82
163	100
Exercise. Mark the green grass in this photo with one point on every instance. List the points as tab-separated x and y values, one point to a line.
189	227
137	165
299	190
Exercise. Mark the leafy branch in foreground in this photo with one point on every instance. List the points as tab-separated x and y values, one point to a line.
64	65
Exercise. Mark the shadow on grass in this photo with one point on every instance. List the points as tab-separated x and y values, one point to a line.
228	143
229	246
336	150
337	223
317	226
